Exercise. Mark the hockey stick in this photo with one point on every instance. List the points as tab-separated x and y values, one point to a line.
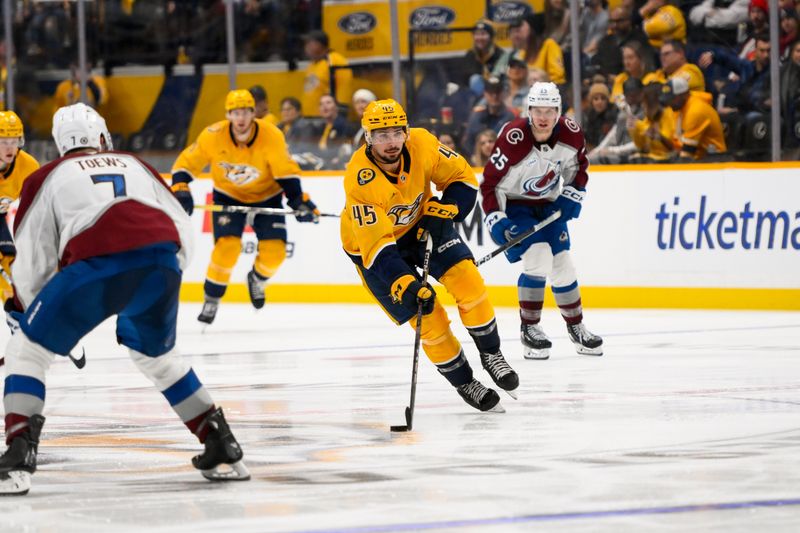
426	263
214	208
518	239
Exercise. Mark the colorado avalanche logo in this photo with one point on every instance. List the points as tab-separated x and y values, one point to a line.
403	215
240	174
544	183
514	135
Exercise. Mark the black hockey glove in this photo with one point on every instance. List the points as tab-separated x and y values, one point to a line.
407	290
437	218
184	196
305	209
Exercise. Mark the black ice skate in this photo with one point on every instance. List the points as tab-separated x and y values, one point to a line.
501	372
19	461
480	397
586	342
255	287
221	449
535	343
209	311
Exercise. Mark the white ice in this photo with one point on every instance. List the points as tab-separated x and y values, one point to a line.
689	422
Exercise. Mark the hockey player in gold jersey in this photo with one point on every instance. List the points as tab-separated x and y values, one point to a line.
389	207
15	165
251	166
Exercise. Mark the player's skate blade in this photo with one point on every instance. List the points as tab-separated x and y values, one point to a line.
15	483
534	354
224	472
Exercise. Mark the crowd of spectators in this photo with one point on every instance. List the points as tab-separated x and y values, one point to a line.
661	80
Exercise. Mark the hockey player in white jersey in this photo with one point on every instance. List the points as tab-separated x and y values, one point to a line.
538	165
99	233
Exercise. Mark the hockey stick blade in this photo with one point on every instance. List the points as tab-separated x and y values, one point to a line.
518	239
256	210
407	427
80	362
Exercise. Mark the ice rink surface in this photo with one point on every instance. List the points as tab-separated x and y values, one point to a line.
689	422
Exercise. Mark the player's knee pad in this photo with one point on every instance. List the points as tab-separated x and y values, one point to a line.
163	370
27	358
563	270
438	341
466	284
271	254
537	261
223	258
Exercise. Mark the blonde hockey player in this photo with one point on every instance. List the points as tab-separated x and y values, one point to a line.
15	165
389	206
250	166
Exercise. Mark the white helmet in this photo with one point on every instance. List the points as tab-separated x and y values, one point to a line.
79	126
544	94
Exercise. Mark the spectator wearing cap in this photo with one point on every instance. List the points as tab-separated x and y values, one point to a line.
697	124
361	99
758	23
323	75
479	61
516	95
662	21
617	145
601	115
262	104
790	24
635	66
621	31
718	20
518	32
492	115
675	65
653	134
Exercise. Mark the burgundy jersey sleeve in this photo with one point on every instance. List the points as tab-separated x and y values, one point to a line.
570	133
514	142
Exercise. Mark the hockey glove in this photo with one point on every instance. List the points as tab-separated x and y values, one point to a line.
500	227
407	290
184	196
305	209
13	315
437	218
569	202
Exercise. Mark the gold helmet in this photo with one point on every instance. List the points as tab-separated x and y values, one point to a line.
239	98
10	125
383	114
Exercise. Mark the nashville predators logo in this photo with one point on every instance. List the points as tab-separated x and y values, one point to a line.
365	175
403	215
240	174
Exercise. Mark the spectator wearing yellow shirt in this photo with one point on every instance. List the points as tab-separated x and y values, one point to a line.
321	76
662	22
542	53
697	124
68	92
675	65
653	135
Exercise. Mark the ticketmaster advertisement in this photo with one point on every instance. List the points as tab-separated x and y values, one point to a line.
715	228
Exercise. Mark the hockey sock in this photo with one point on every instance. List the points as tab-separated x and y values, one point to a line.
271	254
486	337
16	424
530	290
457	370
569	302
199	426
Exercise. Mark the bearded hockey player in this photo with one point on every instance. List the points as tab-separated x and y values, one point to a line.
389	205
538	165
100	234
250	166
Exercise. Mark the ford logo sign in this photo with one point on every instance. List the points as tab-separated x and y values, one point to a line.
357	23
507	12
431	17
